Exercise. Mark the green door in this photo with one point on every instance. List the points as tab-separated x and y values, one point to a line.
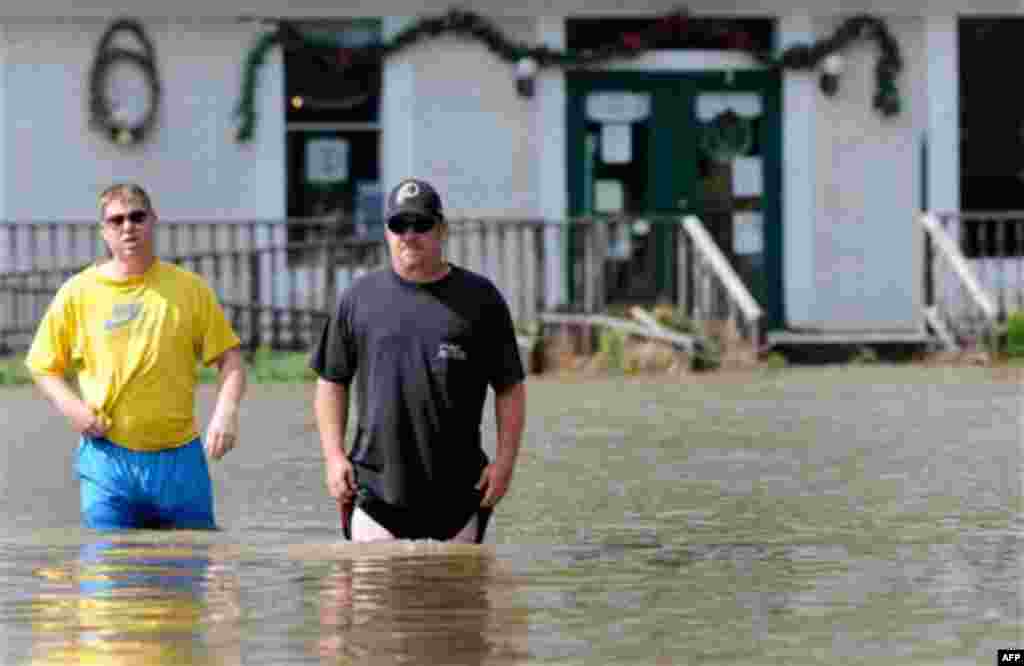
652	147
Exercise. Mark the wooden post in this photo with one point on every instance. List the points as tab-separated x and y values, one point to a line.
453	250
589	257
217	270
598	285
512	267
493	238
532	275
683	267
253	301
475	252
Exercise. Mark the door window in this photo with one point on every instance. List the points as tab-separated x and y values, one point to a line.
730	180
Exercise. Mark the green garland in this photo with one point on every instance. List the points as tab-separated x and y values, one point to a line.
469	25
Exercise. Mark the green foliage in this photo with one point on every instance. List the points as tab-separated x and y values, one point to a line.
611	346
673	318
864	356
13	372
1015	335
264	366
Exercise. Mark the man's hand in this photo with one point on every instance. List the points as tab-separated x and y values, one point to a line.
222	433
86	420
83	418
494	483
341	479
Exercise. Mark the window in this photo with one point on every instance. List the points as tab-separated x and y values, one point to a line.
333	132
991	138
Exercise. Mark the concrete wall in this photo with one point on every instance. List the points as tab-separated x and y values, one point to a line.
54	165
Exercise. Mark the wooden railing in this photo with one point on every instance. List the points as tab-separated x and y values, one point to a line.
278	280
716	286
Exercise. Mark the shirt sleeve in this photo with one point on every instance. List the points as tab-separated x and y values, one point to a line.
334	357
52	346
216	334
506	366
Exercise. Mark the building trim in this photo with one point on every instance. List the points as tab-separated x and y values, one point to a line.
799	181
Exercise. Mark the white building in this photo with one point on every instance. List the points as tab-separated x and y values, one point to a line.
828	238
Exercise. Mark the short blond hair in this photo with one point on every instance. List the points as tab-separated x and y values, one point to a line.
125	193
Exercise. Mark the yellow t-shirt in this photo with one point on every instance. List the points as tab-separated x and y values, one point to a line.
137	343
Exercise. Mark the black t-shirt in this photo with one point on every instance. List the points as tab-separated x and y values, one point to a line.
422	356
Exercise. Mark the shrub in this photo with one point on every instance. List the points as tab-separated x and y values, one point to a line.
13	372
673	318
864	355
612	347
1015	335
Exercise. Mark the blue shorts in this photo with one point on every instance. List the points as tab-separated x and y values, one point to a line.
123	489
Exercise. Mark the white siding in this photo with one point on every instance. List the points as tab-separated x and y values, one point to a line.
55	165
867	251
472	135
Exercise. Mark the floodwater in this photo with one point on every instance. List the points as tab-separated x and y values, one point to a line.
859	515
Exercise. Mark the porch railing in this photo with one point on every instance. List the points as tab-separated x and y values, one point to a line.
716	284
279	279
957	302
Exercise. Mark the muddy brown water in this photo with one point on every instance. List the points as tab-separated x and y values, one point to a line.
859	515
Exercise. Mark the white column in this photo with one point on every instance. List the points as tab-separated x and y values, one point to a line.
799	110
397	111
553	174
943	86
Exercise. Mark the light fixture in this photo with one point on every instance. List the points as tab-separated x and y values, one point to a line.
831	68
526	73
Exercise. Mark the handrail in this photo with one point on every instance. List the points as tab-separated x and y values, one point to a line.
704	244
952	254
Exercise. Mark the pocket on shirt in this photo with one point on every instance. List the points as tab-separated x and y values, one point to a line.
452	377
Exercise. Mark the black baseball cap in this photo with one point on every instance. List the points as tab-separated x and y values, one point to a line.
414	197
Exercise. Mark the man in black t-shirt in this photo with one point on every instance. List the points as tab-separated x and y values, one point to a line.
423	340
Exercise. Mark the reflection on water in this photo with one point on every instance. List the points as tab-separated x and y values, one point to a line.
419	607
127	602
860	516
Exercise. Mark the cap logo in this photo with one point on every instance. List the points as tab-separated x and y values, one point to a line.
408	191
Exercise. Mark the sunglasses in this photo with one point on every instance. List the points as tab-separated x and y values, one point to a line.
135	217
420	225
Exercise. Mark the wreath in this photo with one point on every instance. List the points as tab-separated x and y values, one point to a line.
107	56
727	136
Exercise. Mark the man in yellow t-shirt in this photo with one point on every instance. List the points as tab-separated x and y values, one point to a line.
136	328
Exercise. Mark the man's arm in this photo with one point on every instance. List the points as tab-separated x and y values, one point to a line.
82	417
222	433
510	414
330	406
